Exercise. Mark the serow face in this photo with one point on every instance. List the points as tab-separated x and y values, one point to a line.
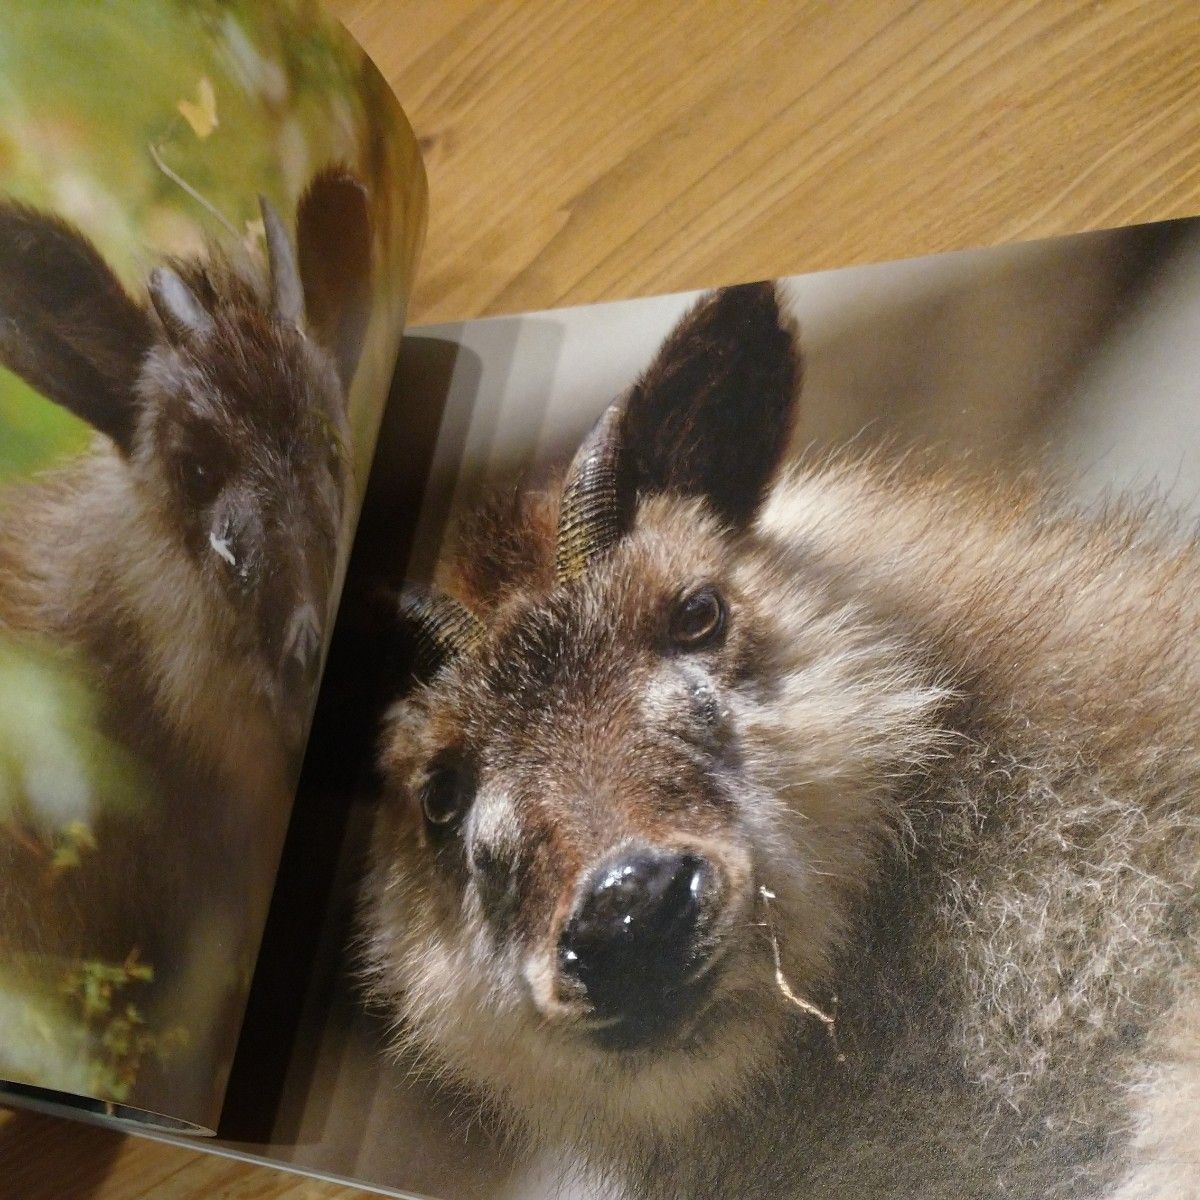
244	444
225	398
641	768
576	784
242	435
569	848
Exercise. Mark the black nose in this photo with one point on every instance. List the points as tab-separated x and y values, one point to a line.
634	942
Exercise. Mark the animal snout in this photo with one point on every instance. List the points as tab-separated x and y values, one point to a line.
302	651
635	944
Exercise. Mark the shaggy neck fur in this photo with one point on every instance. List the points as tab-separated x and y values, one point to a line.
1034	936
96	569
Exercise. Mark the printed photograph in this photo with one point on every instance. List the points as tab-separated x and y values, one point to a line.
786	779
209	215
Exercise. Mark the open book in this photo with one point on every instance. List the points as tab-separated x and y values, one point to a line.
734	770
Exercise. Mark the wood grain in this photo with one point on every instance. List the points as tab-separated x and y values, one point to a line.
588	151
580	152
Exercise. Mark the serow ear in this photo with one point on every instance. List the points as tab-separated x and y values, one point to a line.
67	326
333	223
713	414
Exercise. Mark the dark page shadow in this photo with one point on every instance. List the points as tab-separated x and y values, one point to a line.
339	748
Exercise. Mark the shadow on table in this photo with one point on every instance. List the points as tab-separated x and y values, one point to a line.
42	1159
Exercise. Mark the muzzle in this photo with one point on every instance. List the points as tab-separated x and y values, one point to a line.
635	946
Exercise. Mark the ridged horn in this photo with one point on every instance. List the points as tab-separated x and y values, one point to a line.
440	626
287	291
589	517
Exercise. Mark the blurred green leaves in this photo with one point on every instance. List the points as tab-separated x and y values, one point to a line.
117	1031
79	1027
56	765
33	432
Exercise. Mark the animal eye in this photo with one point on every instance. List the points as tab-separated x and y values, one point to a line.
698	619
447	795
201	481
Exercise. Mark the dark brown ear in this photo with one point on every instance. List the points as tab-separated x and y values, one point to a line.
333	236
67	326
713	414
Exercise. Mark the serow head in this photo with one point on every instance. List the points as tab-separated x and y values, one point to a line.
632	707
225	397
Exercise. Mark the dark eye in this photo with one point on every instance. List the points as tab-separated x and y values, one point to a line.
201	481
448	792
698	619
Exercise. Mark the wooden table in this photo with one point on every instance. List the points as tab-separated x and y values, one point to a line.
582	151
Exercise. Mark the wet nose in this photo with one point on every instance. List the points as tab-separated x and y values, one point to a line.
632	942
302	650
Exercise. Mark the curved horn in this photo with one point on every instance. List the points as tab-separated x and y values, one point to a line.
590	513
287	291
440	626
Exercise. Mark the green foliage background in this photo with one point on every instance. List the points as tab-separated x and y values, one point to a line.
32	431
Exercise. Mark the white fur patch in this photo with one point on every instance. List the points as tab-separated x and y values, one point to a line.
221	546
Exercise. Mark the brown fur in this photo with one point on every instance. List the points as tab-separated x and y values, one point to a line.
950	728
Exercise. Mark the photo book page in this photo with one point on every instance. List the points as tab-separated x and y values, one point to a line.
746	704
209	221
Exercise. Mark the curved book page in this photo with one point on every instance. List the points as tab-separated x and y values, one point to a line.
209	220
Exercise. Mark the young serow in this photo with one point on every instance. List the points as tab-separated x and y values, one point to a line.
826	835
183	566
